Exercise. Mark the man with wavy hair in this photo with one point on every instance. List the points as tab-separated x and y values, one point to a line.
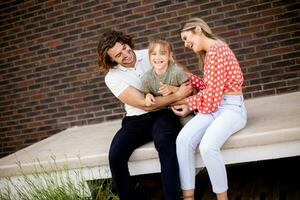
125	67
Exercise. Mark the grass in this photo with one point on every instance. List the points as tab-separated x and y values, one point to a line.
56	185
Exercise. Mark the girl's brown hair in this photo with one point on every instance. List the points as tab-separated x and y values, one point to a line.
106	42
163	43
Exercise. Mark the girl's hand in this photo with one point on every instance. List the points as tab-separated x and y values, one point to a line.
149	99
165	89
181	110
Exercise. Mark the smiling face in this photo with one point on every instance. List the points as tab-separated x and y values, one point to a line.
192	40
122	54
159	57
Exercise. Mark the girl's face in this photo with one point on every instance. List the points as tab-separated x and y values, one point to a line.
160	57
192	40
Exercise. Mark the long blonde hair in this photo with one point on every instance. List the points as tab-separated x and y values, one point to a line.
191	26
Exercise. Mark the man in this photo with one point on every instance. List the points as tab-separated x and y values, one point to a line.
125	68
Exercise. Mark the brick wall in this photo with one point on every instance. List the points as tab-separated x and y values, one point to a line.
48	55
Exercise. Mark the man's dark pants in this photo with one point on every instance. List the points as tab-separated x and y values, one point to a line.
162	127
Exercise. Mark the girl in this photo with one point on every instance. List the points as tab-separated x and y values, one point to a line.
220	106
165	77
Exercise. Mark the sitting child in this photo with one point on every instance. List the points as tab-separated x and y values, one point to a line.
165	77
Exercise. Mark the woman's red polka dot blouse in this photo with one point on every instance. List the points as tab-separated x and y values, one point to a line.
222	73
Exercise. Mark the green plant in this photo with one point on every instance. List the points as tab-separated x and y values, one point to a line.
102	189
55	185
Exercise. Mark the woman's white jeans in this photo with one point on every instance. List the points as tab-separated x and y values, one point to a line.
209	131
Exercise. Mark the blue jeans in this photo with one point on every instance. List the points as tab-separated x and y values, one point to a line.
161	126
209	132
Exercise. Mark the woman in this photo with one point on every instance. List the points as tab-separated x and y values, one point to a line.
219	104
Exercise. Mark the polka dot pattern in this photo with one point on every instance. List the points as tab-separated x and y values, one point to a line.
222	73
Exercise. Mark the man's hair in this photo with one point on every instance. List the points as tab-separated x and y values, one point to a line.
107	40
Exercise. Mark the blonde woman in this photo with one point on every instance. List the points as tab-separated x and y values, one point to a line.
219	105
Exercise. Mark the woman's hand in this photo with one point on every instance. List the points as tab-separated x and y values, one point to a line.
149	99
165	89
181	110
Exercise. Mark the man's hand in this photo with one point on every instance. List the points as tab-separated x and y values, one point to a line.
180	102
184	90
136	98
165	89
181	110
149	99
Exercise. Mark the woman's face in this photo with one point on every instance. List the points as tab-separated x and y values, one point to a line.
192	40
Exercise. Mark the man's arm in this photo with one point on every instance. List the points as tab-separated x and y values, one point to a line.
134	97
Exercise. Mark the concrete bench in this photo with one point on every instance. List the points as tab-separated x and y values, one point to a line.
273	131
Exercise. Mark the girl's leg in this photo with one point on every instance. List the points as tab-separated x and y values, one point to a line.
229	119
186	144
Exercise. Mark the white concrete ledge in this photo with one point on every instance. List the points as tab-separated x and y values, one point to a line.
273	131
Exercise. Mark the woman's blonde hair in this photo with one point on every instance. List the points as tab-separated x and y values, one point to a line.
191	26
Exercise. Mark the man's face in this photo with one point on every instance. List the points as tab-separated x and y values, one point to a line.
122	54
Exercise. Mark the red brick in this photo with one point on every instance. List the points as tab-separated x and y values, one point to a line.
48	80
